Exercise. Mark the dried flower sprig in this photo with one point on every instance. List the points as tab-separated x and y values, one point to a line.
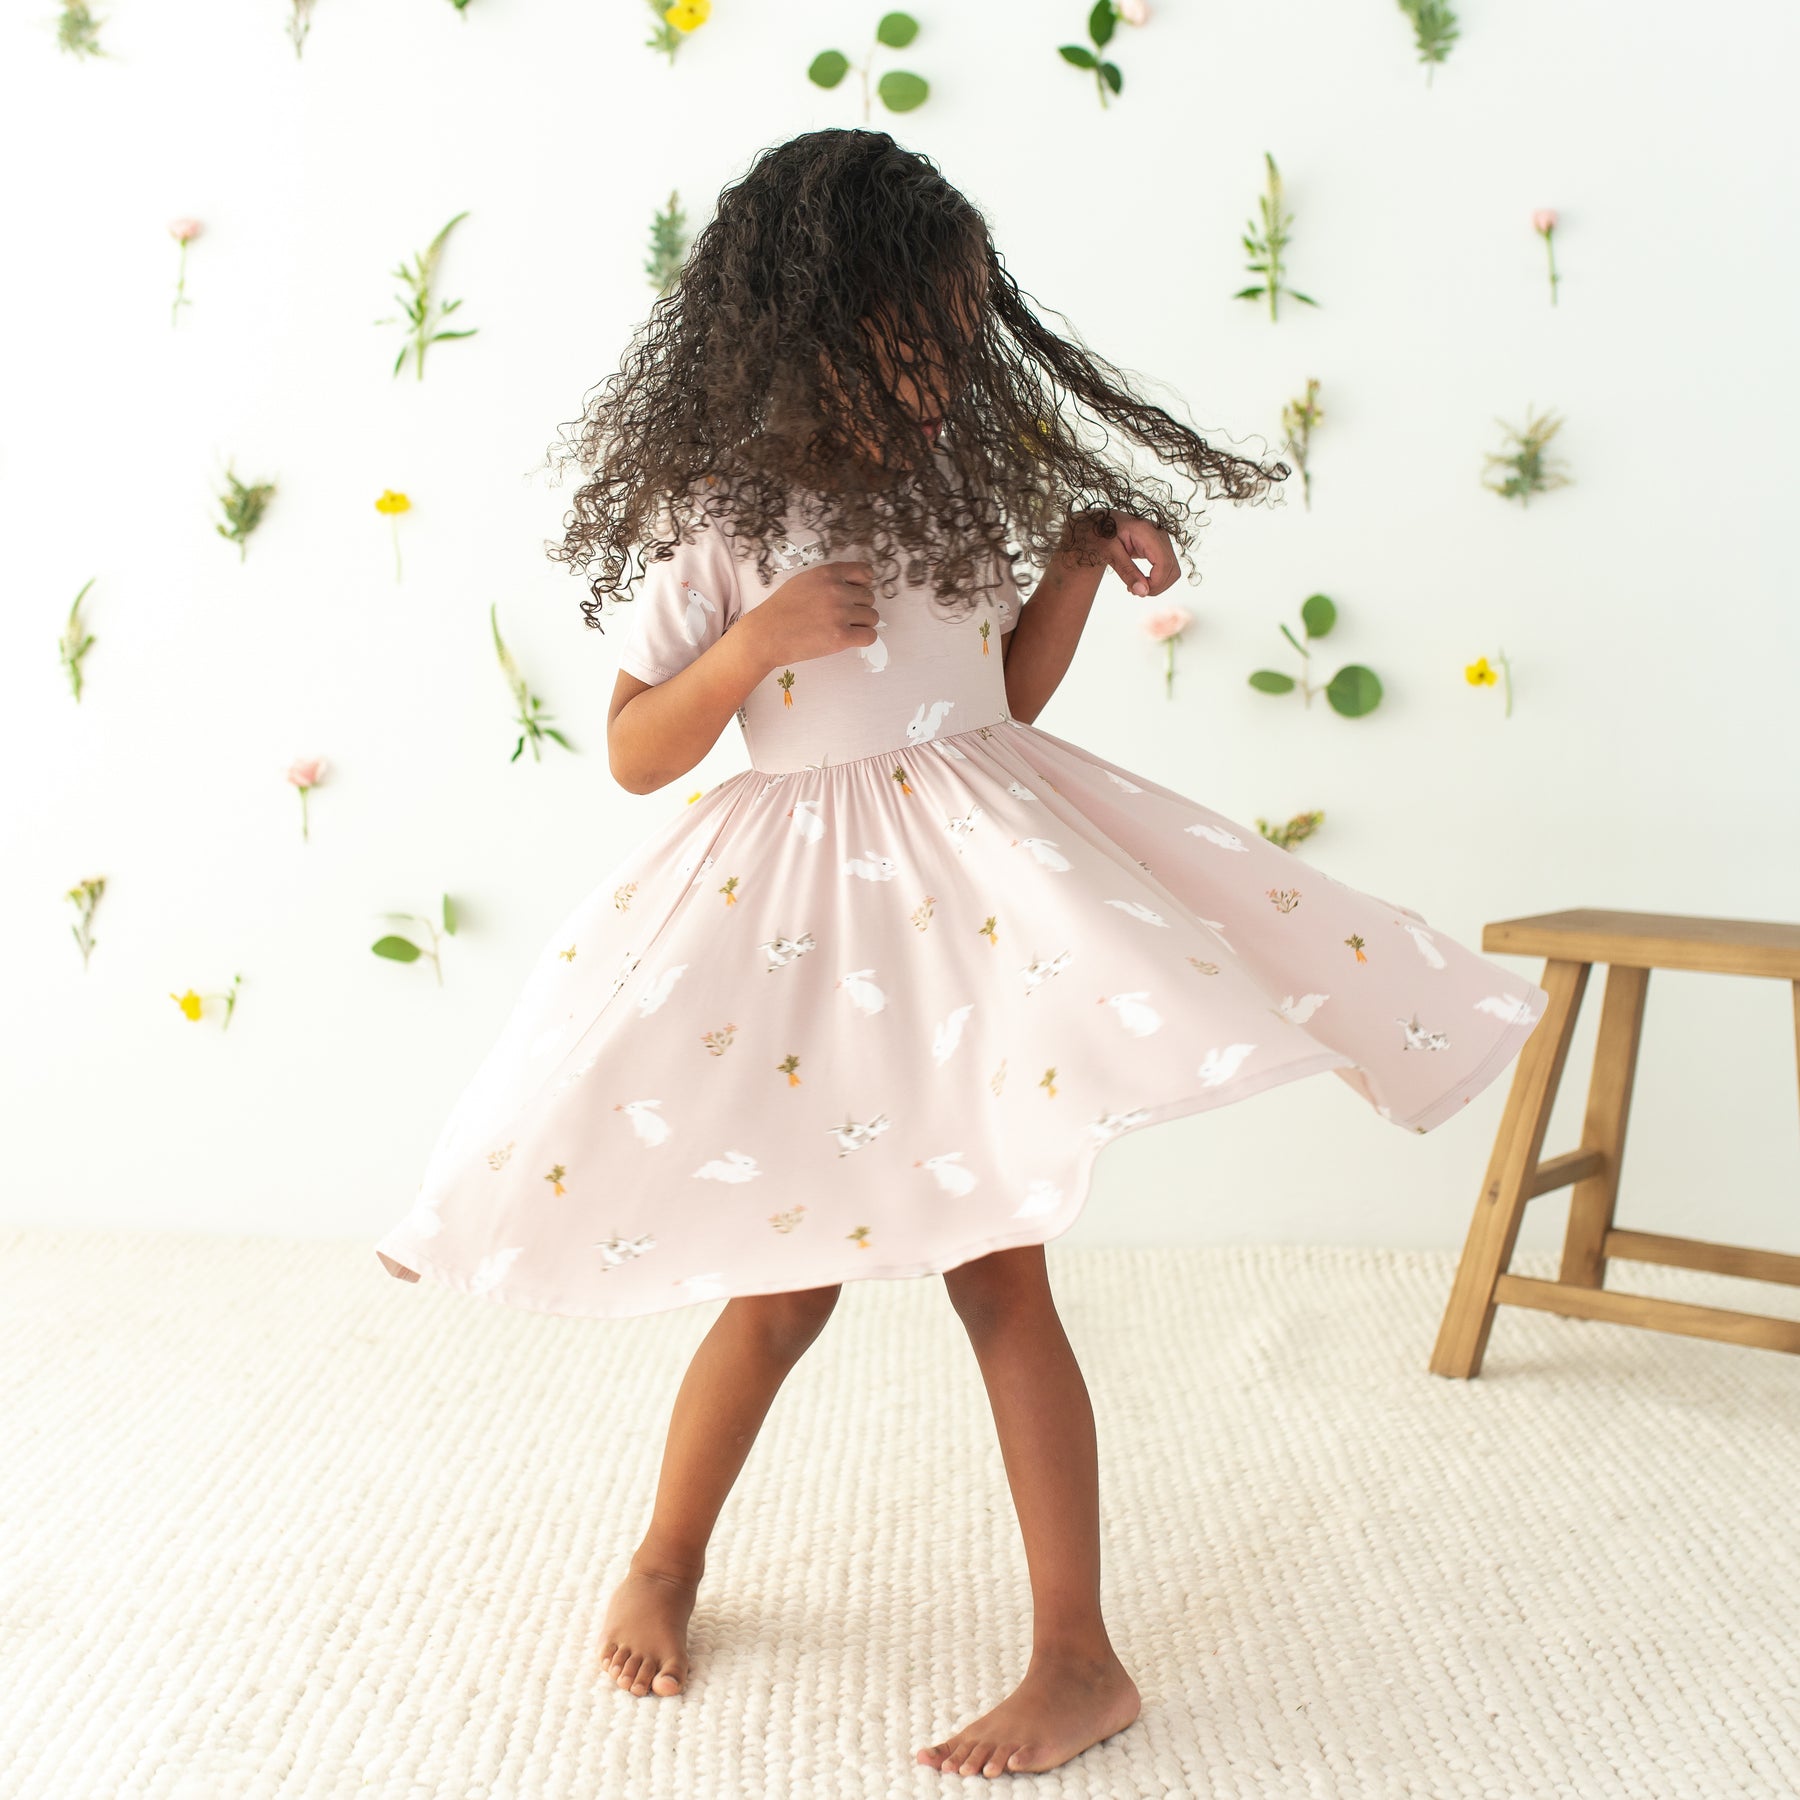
243	507
306	773
84	896
300	23
419	277
673	23
1434	30
1528	470
404	950
1298	418
1543	222
393	505
1103	17
531	720
668	244
900	89
76	640
1267	246
194	1005
1352	691
1166	627
1480	673
77	30
1296	831
183	231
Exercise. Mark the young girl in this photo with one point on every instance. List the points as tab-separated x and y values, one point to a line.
872	1006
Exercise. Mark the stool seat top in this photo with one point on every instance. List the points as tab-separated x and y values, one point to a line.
1642	940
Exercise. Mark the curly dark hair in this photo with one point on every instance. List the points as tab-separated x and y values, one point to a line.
842	293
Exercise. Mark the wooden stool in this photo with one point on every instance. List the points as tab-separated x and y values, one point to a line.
1631	945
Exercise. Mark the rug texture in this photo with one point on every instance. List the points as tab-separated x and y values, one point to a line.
272	1523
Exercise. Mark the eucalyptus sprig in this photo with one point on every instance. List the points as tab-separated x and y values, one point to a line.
403	950
1527	469
673	23
1352	691
84	896
1267	246
668	244
1102	21
417	303
1434	30
1296	831
243	506
531	720
76	641
900	89
1298	418
77	30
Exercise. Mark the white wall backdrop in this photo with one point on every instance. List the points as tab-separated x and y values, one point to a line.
1648	609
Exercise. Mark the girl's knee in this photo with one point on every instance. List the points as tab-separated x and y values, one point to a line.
993	1287
788	1322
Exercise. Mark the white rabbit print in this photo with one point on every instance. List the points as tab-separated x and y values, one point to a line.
649	1124
657	992
1134	1012
1221	1063
783	950
926	721
865	996
875	654
1041	1197
617	1250
1045	852
871	866
949	1033
1418	1038
1427	946
694	613
733	1166
1139	910
808	825
1297	1012
857	1137
948	1171
492	1270
1112	775
1109	1125
1217	834
1040	969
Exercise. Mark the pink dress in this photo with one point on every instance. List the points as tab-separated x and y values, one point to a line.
873	1005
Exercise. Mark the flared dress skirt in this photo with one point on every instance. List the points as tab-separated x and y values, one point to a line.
874	1005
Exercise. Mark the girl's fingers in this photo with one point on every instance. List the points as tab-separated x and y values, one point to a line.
1119	557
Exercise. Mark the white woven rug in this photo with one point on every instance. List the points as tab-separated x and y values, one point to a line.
272	1523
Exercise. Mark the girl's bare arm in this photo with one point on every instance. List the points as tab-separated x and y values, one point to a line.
657	731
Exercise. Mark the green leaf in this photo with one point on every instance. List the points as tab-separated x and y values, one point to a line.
1318	615
901	90
1305	299
449	917
896	30
1271	681
1101	21
518	751
551	732
396	949
1354	690
1109	73
828	68
1081	58
1249	293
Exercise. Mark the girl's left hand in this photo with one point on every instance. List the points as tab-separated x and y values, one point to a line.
1134	539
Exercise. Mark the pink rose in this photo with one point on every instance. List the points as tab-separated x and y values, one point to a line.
306	772
1133	12
184	230
1167	623
1544	220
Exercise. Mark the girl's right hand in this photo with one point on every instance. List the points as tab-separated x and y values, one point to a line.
825	608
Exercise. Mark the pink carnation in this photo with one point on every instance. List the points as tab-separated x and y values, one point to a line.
1167	623
184	230
306	771
1544	220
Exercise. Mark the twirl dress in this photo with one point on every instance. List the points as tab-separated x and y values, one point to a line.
873	1005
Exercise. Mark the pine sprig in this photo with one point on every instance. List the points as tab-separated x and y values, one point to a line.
1435	29
668	244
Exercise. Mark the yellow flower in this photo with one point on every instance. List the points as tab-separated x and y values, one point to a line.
1479	674
390	502
189	1003
685	15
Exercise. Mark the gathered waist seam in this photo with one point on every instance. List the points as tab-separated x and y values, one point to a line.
1005	718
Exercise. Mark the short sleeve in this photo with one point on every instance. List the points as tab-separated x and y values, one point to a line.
682	606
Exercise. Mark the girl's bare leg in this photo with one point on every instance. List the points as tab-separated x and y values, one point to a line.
719	1408
1075	1690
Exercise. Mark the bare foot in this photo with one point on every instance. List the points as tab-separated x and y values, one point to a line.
643	1642
1061	1707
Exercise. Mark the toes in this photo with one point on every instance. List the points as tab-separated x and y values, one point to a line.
671	1678
1022	1759
996	1759
628	1668
938	1756
977	1759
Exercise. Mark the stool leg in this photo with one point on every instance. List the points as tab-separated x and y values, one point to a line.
1469	1316
1592	1201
